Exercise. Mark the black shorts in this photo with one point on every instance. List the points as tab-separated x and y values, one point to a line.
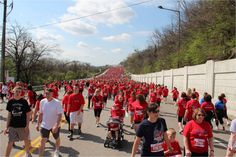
97	112
174	99
180	119
45	133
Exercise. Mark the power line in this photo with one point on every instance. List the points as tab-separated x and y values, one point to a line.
97	13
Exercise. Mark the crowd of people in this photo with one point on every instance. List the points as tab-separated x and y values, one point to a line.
142	101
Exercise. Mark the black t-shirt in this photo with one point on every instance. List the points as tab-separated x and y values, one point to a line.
18	110
153	136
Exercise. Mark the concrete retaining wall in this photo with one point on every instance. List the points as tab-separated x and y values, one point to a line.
212	77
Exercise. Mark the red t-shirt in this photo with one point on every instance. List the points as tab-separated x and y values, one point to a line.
37	106
117	113
165	92
175	148
65	102
191	106
31	97
197	136
153	97
130	106
97	101
139	111
207	106
175	94
181	107
76	101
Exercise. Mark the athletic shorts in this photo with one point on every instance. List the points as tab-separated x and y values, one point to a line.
45	133
17	134
75	118
97	112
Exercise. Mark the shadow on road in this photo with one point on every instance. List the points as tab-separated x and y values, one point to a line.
126	146
221	141
90	137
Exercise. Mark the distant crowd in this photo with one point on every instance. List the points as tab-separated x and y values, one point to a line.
142	101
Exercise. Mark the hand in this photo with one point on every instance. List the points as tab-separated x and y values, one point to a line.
188	153
67	113
6	131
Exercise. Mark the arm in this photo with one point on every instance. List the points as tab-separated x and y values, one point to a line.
135	146
28	115
211	145
8	123
186	145
39	121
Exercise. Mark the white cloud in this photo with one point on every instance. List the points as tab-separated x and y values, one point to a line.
82	45
119	16
47	36
117	38
77	27
118	50
87	25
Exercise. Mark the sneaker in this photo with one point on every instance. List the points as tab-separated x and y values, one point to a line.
97	125
181	131
228	123
56	153
132	126
217	128
223	128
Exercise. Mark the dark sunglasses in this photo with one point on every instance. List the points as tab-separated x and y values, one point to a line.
200	115
156	111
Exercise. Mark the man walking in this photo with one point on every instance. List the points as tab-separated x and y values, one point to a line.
17	121
75	110
50	114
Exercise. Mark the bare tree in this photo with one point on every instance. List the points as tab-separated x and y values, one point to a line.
24	52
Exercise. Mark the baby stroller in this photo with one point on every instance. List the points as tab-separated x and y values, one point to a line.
114	134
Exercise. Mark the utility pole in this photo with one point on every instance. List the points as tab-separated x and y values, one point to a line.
3	40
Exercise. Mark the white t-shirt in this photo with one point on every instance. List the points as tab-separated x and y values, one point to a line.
50	110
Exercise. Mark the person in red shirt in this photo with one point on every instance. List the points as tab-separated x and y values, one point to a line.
176	151
91	91
65	102
31	96
190	107
165	92
181	104
97	103
197	94
140	106
105	95
131	108
75	110
209	108
198	136
175	94
37	106
152	96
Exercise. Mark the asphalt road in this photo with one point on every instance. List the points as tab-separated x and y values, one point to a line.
90	143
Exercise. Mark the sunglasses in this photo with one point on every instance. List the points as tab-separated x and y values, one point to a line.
200	115
156	111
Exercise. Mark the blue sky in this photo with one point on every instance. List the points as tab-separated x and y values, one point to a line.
99	40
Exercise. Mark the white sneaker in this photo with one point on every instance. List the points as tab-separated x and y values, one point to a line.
228	123
56	153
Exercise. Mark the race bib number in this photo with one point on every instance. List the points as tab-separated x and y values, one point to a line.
157	147
139	113
199	142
